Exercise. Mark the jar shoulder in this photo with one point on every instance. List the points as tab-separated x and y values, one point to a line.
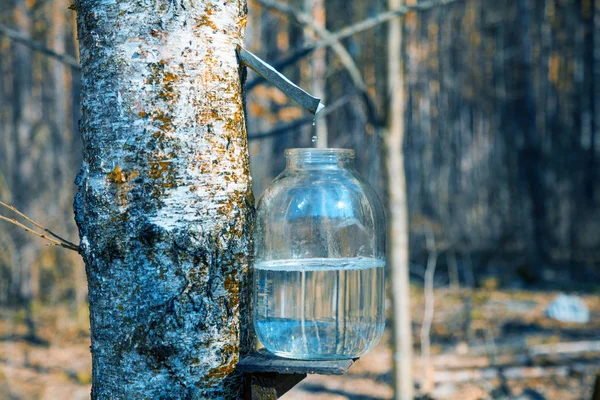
337	193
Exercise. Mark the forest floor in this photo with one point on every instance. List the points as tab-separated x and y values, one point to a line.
485	344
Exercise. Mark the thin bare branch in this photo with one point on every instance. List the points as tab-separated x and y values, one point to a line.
297	123
337	47
32	44
20	225
52	241
56	241
19	213
307	21
361	26
372	22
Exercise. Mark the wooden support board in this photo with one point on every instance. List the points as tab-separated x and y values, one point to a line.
269	386
263	361
269	376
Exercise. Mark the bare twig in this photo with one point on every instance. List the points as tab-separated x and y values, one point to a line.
56	241
348	31
32	44
13	209
286	128
20	225
372	22
52	241
337	47
282	129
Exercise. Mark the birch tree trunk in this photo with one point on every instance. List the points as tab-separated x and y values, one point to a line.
398	213
164	206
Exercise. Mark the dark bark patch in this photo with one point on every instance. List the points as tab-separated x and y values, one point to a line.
149	234
149	339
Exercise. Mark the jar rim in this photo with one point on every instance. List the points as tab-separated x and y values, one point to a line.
308	152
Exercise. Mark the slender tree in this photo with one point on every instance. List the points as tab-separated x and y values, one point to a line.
25	112
164	206
316	8
398	212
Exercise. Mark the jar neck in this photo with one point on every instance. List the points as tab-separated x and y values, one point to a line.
299	159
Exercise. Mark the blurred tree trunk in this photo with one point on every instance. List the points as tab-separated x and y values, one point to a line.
398	213
318	67
25	275
594	146
38	153
530	156
164	206
62	107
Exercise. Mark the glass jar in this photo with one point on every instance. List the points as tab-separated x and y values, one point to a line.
319	265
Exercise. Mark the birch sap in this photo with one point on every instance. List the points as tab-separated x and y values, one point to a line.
319	308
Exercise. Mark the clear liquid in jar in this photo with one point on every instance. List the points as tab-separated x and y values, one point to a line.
319	308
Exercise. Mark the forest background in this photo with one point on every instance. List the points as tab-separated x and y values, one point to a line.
501	145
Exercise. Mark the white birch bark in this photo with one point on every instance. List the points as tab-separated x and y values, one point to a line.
398	209
164	207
